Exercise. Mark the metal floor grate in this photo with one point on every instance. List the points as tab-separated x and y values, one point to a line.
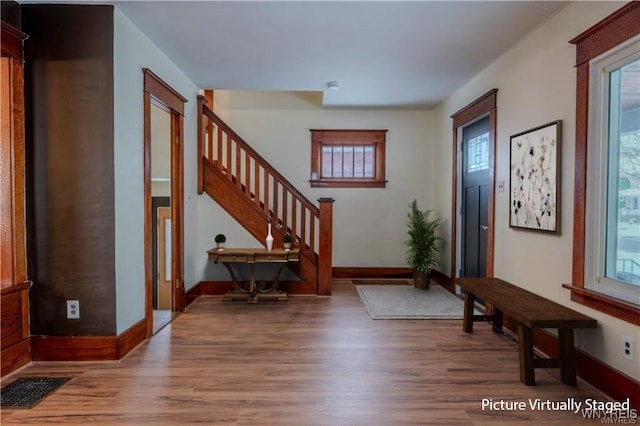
25	393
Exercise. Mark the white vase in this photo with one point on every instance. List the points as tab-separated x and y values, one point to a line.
269	238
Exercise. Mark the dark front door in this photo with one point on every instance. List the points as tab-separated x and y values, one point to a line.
475	191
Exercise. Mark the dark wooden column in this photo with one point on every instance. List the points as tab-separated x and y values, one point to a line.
14	282
70	160
325	255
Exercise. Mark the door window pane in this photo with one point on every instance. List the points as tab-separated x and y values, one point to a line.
478	153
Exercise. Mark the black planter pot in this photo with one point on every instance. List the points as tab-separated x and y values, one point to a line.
421	279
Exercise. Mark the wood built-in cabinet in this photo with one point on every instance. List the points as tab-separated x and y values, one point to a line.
14	283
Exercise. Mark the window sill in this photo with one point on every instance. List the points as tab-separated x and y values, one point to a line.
620	309
347	184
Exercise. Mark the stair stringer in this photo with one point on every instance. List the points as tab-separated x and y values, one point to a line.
244	210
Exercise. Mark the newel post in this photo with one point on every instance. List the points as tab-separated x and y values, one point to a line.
325	255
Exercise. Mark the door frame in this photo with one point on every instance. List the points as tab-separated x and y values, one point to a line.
162	95
484	106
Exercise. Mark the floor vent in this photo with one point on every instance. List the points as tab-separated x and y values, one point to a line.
27	392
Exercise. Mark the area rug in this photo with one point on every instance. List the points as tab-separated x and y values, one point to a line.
380	282
407	302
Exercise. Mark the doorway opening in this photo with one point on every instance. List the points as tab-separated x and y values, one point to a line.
164	194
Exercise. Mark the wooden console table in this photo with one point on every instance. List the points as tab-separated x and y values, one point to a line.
529	311
252	290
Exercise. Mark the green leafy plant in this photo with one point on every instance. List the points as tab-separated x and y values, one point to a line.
220	238
287	238
423	250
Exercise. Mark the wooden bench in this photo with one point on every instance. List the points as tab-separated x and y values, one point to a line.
529	311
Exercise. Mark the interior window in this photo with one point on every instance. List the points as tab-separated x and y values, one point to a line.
348	158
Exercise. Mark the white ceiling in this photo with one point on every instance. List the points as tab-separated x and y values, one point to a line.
384	53
390	54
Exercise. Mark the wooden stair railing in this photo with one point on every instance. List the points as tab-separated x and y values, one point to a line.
253	192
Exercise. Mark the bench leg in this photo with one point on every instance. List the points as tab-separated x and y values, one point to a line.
525	345
469	305
498	318
567	355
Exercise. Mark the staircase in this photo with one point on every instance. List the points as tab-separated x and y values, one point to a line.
254	193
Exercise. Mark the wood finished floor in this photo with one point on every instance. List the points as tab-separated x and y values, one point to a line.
308	361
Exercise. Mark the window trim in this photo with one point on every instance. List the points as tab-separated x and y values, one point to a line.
324	137
598	206
612	31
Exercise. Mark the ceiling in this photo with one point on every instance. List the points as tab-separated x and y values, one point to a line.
384	54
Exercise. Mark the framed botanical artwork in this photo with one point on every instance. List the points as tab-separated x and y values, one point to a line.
534	182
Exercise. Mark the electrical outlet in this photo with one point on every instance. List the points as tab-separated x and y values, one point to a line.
627	347
73	309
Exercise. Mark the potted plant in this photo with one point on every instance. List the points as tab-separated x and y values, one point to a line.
286	241
423	250
220	240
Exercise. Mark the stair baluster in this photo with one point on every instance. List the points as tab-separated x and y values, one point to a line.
255	195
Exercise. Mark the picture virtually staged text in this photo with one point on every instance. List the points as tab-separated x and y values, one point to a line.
570	404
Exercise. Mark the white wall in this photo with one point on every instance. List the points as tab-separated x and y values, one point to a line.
369	224
132	52
536	83
160	152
